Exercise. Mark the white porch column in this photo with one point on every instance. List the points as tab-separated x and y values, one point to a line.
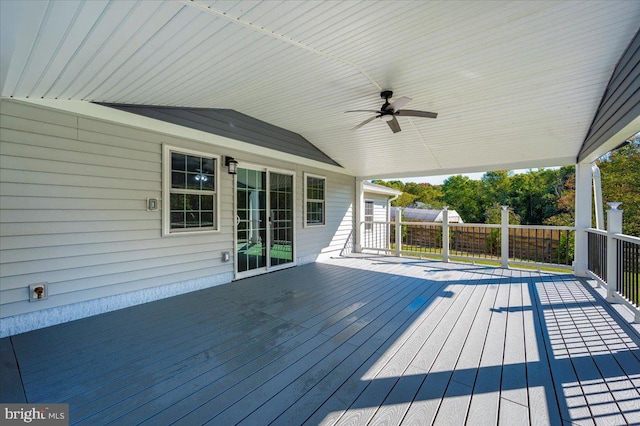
583	218
358	216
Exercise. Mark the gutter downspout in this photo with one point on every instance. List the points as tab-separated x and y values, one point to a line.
395	197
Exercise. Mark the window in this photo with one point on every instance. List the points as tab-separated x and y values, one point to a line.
368	215
314	193
189	191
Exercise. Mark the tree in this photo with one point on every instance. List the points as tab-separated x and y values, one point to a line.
429	195
497	186
620	171
534	195
566	202
404	199
464	196
493	214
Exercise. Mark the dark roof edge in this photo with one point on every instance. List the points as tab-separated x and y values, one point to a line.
617	108
231	124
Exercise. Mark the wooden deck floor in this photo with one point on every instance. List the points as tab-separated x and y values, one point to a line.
350	341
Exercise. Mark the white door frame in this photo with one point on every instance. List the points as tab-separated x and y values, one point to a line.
268	267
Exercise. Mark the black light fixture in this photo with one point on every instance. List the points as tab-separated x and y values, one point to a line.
232	164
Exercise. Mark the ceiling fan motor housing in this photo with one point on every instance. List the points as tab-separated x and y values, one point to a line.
386	94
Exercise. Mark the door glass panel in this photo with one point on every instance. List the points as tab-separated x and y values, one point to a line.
281	214
252	219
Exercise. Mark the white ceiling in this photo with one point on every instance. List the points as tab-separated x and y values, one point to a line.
516	84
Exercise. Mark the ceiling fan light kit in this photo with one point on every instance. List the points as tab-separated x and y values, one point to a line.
389	111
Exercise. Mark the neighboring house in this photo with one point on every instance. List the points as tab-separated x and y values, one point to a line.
426	215
377	199
377	208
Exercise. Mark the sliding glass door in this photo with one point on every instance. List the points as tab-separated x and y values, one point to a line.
264	220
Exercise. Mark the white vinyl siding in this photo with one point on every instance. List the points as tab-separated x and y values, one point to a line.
74	212
73	194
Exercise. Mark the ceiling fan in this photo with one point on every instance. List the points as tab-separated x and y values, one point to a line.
389	111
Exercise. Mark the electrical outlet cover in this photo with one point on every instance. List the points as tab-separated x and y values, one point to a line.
38	292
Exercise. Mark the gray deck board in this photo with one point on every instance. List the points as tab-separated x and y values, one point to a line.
365	355
398	365
11	390
514	370
455	403
432	390
543	404
484	405
357	340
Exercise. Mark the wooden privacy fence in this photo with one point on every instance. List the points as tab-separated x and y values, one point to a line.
549	245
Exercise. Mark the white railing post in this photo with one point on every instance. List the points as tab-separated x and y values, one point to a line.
614	226
398	225
504	237
445	234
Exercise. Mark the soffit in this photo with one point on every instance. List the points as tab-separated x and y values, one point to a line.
515	84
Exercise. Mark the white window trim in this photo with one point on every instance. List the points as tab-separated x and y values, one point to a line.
373	213
324	214
166	190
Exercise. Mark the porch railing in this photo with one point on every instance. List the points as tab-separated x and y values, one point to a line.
614	262
597	253
613	258
538	246
628	268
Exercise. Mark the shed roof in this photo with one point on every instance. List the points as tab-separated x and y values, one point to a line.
427	215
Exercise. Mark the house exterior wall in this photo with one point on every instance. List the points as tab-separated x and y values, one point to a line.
380	206
73	214
378	235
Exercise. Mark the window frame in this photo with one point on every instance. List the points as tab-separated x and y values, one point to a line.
372	203
167	150
307	200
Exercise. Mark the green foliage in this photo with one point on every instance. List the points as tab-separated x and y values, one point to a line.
430	195
466	197
493	214
620	171
497	186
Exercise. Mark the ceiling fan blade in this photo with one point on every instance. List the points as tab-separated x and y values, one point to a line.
394	125
399	103
364	110
416	113
365	122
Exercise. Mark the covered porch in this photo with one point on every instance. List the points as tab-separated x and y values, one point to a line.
350	340
150	328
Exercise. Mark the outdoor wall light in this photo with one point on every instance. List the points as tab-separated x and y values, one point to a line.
232	164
